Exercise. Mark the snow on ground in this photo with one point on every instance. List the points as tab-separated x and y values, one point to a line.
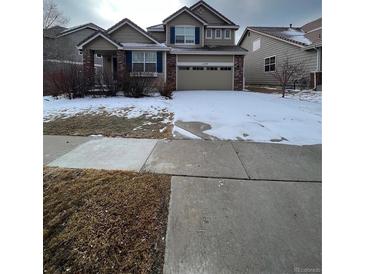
296	119
121	106
252	116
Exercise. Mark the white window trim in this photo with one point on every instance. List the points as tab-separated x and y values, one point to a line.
144	63
185	26
253	42
215	34
270	64
96	55
211	34
224	34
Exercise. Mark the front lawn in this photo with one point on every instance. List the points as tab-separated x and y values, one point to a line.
104	221
223	115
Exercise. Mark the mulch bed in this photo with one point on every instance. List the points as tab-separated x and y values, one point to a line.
85	124
104	221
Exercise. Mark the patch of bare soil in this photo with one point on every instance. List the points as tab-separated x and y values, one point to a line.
104	221
86	124
263	89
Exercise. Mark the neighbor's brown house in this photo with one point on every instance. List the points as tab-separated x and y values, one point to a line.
194	48
268	46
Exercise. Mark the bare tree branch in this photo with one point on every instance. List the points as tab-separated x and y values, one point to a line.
51	15
287	71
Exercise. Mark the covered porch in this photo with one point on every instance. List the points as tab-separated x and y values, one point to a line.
122	60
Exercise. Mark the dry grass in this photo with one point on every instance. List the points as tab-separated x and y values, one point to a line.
85	124
104	221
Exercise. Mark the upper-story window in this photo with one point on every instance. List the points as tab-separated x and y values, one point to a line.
218	34
185	35
209	34
144	61
256	44
227	34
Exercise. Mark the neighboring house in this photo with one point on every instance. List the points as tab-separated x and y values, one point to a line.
194	48
268	46
59	44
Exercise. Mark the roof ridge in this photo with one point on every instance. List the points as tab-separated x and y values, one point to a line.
214	10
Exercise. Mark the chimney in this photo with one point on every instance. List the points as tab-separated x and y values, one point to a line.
290	26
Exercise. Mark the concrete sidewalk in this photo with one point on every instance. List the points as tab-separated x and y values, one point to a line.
242	226
196	158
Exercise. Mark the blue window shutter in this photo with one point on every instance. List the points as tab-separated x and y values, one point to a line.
172	35
197	35
159	61
128	54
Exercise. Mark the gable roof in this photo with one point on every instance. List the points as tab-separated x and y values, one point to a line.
202	3
131	24
102	34
80	27
187	10
293	36
313	25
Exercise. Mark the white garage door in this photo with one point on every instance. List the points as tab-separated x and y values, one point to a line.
204	78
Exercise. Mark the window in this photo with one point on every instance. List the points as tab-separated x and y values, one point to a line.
144	61
270	63
209	34
184	68
218	34
198	68
256	44
80	51
227	34
185	35
212	68
225	68
98	55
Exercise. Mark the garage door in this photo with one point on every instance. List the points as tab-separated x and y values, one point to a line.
204	77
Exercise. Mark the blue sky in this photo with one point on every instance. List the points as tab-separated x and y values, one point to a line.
145	13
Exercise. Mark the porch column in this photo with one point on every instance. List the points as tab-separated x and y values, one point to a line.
88	66
171	72
238	72
121	64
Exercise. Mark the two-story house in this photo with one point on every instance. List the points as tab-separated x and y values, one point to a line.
268	47
194	48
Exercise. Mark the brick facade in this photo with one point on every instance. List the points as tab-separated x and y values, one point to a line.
121	64
171	72
238	72
88	67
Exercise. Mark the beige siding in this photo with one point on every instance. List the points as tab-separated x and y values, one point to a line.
220	41
100	44
208	16
254	61
204	79
127	34
205	58
158	36
185	19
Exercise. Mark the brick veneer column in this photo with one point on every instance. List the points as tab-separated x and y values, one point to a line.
88	66
238	72
171	72
121	64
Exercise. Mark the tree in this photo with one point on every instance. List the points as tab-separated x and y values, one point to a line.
52	15
287	72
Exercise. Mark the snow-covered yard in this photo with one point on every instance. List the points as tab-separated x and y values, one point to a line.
232	115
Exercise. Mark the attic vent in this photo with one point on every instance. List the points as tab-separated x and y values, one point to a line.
200	10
